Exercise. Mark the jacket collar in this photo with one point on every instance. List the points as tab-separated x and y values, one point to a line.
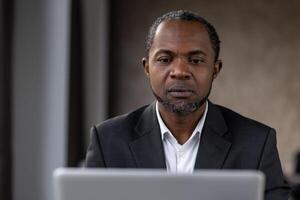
213	147
148	151
147	148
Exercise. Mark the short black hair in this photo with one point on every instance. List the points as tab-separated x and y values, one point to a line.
188	16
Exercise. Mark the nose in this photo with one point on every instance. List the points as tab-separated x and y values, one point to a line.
180	70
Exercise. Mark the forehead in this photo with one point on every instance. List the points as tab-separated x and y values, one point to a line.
181	35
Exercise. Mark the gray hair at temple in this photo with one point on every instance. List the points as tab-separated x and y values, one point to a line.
187	16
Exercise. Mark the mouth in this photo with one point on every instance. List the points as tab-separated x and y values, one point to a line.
180	93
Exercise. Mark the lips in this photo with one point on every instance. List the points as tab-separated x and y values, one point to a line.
180	92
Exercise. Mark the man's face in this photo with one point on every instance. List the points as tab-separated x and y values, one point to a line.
181	65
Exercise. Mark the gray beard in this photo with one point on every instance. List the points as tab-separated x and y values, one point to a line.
182	108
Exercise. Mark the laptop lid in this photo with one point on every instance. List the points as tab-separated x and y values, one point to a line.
141	184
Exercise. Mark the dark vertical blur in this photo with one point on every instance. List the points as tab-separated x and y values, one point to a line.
297	167
76	99
296	183
6	20
113	62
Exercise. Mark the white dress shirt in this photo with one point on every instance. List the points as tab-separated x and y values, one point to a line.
180	158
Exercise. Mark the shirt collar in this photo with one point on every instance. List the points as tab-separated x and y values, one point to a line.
164	129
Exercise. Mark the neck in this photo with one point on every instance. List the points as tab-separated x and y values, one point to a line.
181	126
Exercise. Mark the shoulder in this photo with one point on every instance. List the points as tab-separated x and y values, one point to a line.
247	136
121	122
236	120
241	128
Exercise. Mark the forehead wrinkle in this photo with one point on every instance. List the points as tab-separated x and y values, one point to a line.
177	47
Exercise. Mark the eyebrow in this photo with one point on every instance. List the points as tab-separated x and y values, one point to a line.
165	51
197	52
190	53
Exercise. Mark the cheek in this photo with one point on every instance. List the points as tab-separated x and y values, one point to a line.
154	78
204	81
157	75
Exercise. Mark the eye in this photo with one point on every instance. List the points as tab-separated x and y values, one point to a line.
164	59
196	60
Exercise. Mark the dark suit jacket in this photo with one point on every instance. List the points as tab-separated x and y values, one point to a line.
228	141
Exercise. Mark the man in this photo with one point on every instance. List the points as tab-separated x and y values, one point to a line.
183	130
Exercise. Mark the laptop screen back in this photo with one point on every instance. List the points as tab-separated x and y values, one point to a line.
138	184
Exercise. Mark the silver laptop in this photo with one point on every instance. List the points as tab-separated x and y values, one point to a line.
139	184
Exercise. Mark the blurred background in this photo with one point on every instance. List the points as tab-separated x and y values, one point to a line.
67	65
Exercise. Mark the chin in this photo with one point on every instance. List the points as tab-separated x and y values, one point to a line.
181	108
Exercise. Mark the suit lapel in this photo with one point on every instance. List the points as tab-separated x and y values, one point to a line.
213	148
147	147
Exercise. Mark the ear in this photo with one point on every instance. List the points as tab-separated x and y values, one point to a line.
146	65
217	68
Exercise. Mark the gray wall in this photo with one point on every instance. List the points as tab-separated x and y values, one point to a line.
260	50
96	50
40	76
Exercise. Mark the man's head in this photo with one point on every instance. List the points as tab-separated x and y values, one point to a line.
182	61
